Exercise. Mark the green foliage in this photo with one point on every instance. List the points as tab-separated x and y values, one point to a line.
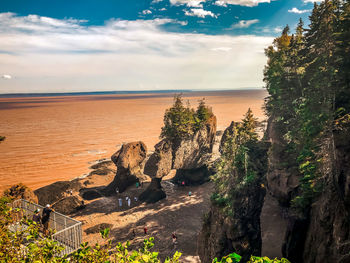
181	121
236	170
231	258
2	138
307	77
28	244
235	258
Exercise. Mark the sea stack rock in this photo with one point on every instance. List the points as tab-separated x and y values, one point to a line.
191	157
129	161
157	166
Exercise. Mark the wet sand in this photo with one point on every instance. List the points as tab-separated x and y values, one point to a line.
55	138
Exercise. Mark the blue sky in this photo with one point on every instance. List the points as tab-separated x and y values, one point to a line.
90	45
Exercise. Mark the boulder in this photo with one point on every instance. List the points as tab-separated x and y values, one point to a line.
20	191
54	192
129	161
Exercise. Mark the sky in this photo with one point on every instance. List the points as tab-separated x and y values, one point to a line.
118	45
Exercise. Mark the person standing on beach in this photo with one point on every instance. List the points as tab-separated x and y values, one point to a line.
145	229
120	202
129	202
174	238
45	220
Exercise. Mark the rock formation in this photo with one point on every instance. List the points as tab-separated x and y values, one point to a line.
188	156
129	161
52	193
191	157
157	166
238	228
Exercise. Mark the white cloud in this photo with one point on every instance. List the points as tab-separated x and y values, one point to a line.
249	3
220	3
225	49
146	12
156	1
277	29
162	9
6	76
199	12
311	1
66	55
195	3
297	11
245	23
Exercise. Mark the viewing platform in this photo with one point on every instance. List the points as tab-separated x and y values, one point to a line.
67	231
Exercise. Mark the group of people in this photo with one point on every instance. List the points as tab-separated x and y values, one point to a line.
44	218
127	200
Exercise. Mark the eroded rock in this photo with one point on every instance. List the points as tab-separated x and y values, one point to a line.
129	161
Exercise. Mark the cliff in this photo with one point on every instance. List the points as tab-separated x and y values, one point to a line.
233	222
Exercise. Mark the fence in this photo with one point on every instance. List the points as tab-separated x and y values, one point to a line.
68	231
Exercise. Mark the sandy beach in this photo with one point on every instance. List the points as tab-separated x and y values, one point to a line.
57	138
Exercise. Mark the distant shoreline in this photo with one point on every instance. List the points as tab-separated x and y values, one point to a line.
125	92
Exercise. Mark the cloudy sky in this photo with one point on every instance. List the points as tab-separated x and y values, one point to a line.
94	45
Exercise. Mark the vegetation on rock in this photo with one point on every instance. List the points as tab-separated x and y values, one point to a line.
236	169
182	121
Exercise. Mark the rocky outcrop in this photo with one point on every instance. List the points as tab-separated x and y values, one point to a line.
195	152
129	161
189	157
328	234
235	225
228	132
157	166
238	231
282	180
159	163
52	193
20	191
322	233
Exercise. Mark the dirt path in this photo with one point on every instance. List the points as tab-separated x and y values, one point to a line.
178	212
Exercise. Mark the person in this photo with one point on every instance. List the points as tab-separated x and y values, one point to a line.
129	202
45	219
135	198
37	216
145	229
183	183
189	193
137	184
174	238
120	202
117	190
